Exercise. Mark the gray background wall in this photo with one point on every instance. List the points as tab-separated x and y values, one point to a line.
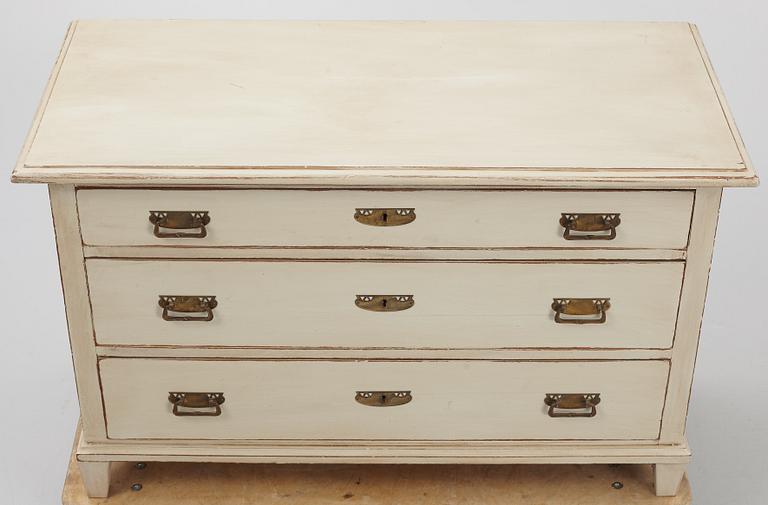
729	409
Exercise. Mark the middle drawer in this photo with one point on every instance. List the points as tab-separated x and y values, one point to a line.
440	305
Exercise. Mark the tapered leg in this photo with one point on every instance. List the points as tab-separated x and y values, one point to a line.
95	475
668	478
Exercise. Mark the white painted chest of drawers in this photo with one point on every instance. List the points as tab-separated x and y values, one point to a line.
377	242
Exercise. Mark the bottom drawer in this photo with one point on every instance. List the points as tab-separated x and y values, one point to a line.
447	400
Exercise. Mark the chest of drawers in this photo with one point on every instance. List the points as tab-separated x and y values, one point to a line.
384	242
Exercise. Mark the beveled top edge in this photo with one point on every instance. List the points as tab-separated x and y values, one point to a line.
387	175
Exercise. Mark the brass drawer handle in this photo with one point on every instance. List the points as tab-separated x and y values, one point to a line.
188	305
194	220
385	217
577	405
384	303
589	226
200	404
383	398
577	310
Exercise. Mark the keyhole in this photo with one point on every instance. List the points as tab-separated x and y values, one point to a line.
384	303
384	217
383	399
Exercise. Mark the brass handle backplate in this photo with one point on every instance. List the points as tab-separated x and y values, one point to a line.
601	226
202	305
193	221
574	404
580	310
199	404
384	303
383	398
385	217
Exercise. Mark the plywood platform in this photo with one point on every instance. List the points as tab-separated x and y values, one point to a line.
241	484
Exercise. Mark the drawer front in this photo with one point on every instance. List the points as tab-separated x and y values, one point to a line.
449	400
463	219
408	304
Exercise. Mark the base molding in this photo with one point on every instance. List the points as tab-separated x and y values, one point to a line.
458	452
169	483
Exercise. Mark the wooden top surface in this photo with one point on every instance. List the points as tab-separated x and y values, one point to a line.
377	103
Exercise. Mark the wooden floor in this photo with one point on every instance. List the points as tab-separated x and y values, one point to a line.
241	484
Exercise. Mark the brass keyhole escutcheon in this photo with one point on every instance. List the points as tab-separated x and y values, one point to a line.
385	217
383	398
384	303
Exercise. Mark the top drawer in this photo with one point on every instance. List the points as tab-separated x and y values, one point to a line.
412	219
